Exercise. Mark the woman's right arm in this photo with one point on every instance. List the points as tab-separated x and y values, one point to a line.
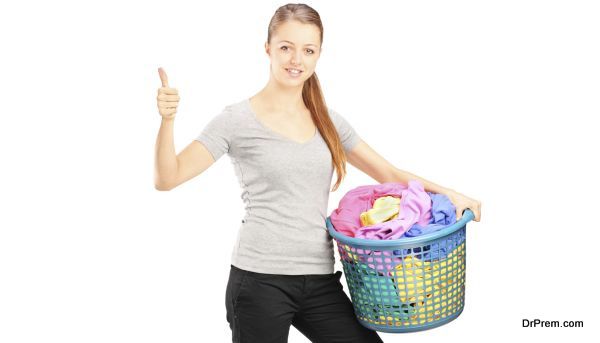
171	170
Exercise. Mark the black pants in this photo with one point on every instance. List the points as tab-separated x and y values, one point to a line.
261	308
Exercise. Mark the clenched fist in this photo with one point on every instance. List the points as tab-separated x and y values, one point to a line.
167	98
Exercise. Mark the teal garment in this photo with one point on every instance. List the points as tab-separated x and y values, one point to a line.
377	288
378	292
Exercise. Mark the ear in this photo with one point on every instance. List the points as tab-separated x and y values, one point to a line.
267	47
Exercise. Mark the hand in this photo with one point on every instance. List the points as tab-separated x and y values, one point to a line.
462	202
167	98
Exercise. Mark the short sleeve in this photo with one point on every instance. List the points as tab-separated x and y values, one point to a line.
216	135
347	134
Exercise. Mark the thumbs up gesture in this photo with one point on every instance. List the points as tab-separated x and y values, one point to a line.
167	98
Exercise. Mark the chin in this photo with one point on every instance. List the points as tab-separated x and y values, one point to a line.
289	81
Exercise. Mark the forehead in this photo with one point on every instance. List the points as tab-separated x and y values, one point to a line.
297	33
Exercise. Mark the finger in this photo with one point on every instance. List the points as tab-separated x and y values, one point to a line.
458	213
165	97
163	77
167	90
168	105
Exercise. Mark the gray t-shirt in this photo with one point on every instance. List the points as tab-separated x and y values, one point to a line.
285	188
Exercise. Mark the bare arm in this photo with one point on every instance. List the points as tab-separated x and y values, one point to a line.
371	163
171	170
364	158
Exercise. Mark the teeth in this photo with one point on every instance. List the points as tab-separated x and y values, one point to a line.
294	71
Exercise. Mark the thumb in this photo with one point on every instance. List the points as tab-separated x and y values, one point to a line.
163	77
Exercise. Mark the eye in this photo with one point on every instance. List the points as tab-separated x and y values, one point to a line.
311	52
284	47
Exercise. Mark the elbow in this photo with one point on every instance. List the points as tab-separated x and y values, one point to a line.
162	185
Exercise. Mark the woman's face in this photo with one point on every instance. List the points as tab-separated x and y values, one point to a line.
294	46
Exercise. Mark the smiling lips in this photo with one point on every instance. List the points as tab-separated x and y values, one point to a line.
293	72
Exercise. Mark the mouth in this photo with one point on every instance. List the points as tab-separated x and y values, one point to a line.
294	72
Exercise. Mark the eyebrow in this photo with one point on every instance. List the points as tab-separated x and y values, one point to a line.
287	41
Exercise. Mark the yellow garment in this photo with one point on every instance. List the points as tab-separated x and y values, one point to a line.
431	289
384	209
415	277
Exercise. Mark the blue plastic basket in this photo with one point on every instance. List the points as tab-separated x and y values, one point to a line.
407	284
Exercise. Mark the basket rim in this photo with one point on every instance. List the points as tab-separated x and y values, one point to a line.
467	217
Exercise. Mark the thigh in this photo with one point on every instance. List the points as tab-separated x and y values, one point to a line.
236	278
326	315
260	307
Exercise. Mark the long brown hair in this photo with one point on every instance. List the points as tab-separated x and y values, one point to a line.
311	92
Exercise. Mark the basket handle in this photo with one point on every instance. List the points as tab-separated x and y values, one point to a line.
467	216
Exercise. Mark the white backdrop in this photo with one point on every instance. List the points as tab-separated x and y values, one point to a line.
497	100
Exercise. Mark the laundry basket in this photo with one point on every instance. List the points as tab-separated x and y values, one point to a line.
407	284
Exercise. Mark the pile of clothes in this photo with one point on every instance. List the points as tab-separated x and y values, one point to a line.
419	291
414	284
393	211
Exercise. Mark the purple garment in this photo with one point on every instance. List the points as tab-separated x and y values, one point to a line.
443	213
415	207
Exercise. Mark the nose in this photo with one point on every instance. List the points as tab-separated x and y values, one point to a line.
296	57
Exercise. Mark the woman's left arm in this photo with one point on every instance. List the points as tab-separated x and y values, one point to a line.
363	157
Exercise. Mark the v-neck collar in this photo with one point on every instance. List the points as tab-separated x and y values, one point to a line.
273	132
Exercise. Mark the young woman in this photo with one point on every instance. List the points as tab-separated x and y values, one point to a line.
284	143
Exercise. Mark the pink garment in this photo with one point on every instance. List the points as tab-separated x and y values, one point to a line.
415	207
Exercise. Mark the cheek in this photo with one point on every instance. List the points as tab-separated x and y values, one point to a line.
310	67
277	60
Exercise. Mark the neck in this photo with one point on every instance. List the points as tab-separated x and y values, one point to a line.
283	97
